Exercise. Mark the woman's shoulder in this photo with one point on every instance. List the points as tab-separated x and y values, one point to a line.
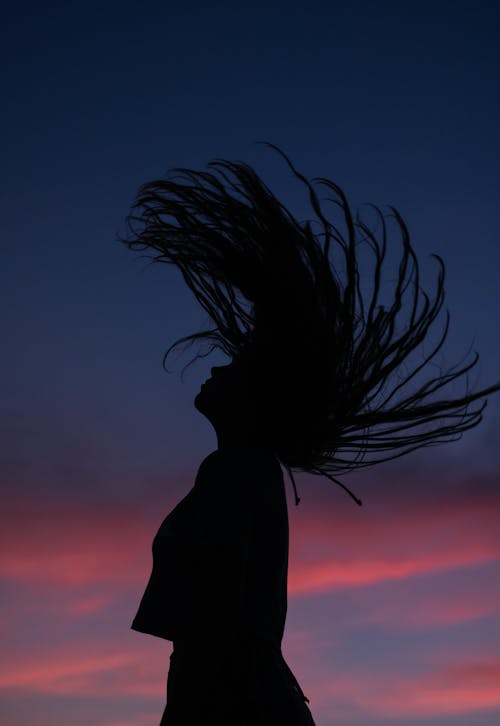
243	463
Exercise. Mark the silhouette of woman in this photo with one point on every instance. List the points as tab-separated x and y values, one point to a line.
323	379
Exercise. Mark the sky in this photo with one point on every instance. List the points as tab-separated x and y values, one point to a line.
394	613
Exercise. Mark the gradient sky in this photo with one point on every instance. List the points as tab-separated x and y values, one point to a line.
394	608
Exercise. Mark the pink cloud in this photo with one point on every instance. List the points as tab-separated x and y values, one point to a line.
90	668
330	575
463	689
94	557
74	545
332	549
466	689
424	606
86	605
483	673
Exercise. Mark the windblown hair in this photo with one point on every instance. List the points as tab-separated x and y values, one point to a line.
331	363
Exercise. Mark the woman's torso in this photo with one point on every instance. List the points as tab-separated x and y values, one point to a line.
220	557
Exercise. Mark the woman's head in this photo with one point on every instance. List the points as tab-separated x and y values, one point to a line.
228	400
333	383
266	401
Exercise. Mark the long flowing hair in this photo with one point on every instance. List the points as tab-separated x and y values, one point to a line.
336	375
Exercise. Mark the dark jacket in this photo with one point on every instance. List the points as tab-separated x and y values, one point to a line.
220	558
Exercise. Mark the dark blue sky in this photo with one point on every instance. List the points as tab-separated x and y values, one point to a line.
398	102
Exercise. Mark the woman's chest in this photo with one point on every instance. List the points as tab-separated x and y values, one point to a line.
183	520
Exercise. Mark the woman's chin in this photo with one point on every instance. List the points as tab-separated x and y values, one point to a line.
198	399
200	402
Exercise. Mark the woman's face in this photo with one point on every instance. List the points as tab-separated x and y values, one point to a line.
226	392
231	401
228	400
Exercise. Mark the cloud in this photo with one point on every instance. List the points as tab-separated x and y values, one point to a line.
333	548
310	579
74	544
90	666
434	601
74	570
466	688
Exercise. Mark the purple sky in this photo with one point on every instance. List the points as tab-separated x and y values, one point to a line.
393	609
